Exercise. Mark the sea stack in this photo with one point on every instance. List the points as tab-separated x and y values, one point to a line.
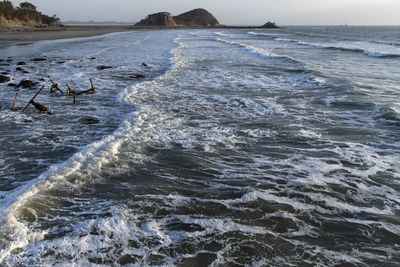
194	18
270	25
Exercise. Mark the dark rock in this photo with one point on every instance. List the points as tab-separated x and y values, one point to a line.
140	76
9	60
21	63
1	60
19	69
144	65
92	58
270	25
4	64
128	259
61	62
90	120
12	85
28	84
38	59
103	67
5	73
42	79
4	79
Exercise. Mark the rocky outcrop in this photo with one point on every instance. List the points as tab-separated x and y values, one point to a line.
197	17
25	15
194	18
158	19
270	25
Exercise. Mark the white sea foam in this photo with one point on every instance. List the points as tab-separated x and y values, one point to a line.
265	171
256	50
356	47
222	34
395	107
266	34
82	164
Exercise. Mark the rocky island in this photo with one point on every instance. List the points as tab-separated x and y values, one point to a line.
195	18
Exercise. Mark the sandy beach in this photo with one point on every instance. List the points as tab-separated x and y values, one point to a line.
60	33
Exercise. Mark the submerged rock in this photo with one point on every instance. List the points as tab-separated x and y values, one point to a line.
4	79
21	63
38	59
27	84
103	67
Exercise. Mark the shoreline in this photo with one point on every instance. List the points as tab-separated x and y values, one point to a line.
11	37
77	31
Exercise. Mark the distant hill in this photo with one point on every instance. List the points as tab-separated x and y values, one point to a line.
24	15
195	18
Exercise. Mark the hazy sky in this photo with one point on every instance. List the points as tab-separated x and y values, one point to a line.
232	12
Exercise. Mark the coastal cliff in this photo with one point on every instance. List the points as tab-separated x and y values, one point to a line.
26	15
194	18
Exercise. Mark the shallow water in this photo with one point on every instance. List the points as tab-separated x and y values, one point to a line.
239	147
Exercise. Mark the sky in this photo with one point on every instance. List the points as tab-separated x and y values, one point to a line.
232	12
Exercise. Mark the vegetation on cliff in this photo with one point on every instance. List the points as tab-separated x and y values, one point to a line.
24	15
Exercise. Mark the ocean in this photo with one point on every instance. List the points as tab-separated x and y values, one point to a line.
228	147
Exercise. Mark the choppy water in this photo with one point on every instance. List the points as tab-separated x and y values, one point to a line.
238	148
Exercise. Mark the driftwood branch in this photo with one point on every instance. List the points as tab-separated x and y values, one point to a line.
33	98
74	103
40	107
15	100
71	91
54	88
90	91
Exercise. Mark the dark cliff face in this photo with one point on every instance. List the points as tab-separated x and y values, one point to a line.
157	19
196	17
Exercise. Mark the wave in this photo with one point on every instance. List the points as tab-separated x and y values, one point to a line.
222	34
386	43
341	48
266	34
259	51
71	173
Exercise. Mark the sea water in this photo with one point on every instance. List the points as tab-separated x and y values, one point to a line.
238	147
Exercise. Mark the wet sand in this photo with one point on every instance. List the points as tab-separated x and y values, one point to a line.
60	33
